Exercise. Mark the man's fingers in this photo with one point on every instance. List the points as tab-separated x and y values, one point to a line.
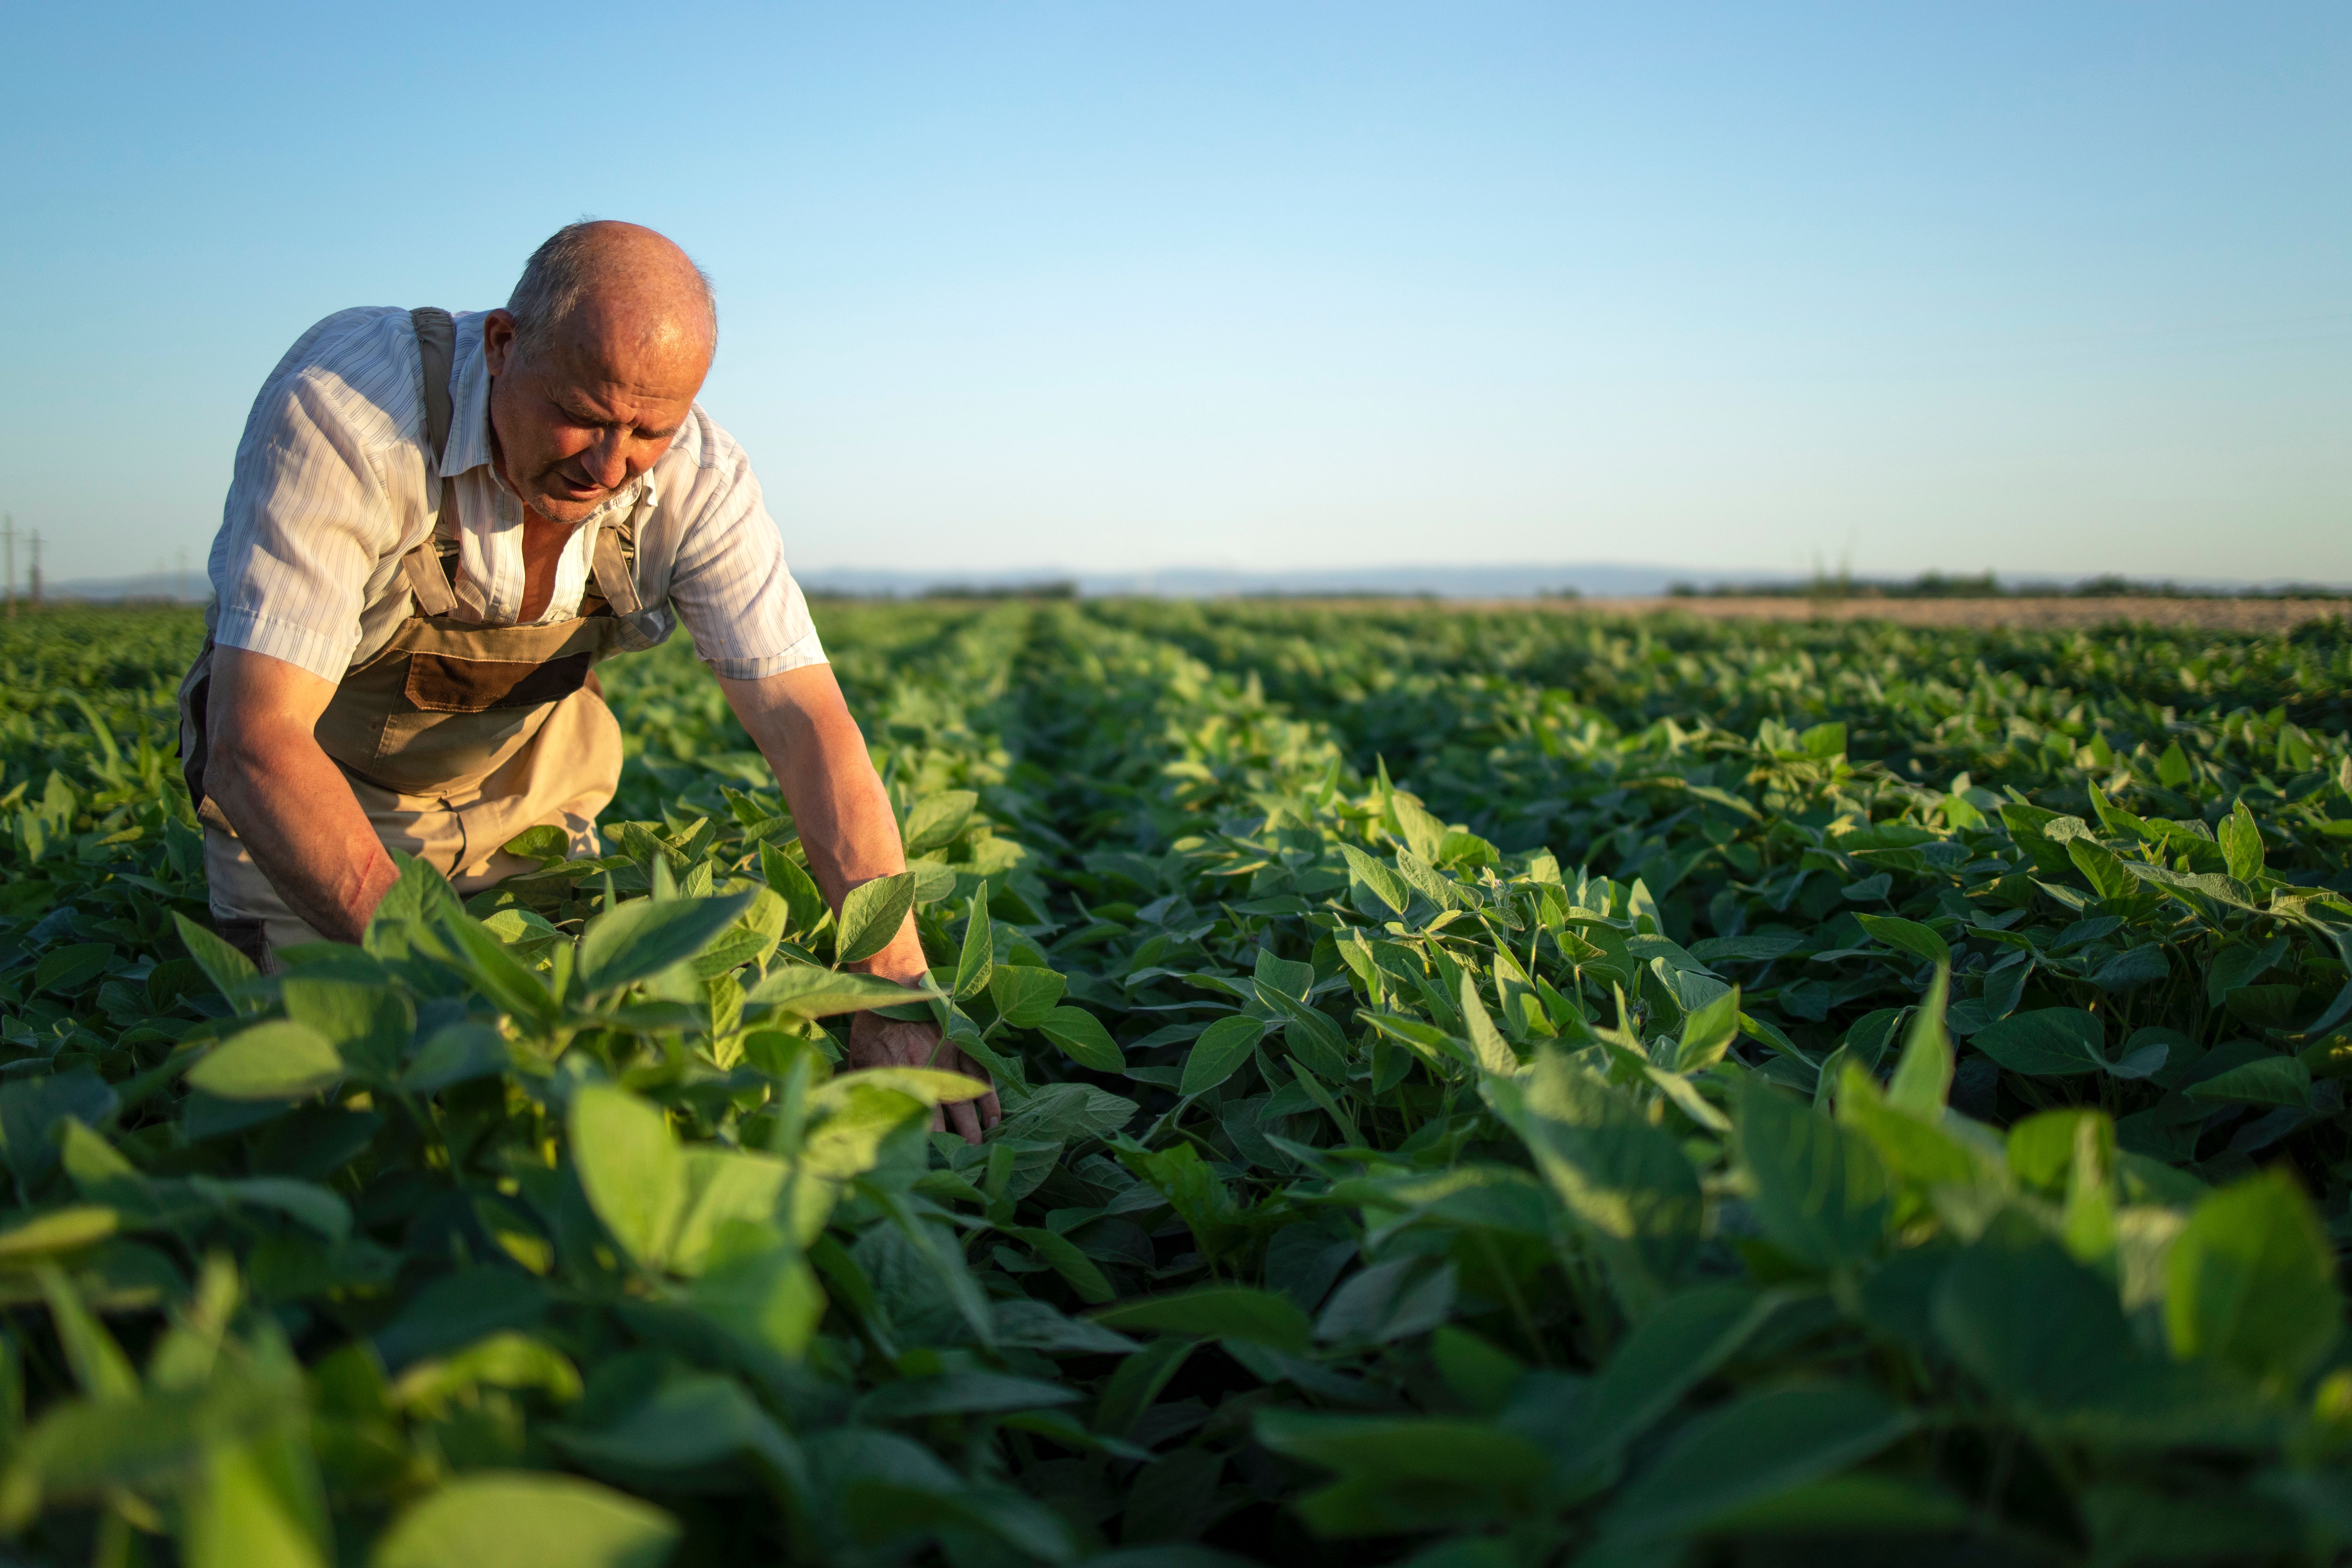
939	1119
991	1112
966	1121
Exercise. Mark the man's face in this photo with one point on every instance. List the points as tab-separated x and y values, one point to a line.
587	413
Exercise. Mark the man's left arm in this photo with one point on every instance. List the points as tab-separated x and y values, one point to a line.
800	723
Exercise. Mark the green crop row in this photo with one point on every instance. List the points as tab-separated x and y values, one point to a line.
1489	1090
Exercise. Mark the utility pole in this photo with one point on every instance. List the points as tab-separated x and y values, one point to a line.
8	540
37	569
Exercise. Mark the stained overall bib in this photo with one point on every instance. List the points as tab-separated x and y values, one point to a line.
454	736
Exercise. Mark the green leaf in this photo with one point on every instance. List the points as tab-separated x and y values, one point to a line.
1024	997
1312	1036
489	1519
936	819
1628	1182
1063	1257
1213	1312
72	967
979	948
803	903
546	844
305	1203
1430	882
1760	1447
247	1512
1479	1372
1819	1190
2040	1329
1494	1052
1708	1033
1137	1382
961	1394
2241	843
642	938
1923	1077
1219	1052
1083	1038
2251	1281
2101	867
2049	1042
768	1297
1859	1504
1404	1473
369	1025
1670	1351
460	1053
99	1367
2266	1080
32	1108
872	915
497	972
631	1169
806	991
1384	883
2040	1149
1915	1149
504	1360
277	1060
1421	833
1910	936
930	1086
61	1230
229	969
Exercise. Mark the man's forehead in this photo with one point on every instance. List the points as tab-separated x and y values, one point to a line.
611	396
610	375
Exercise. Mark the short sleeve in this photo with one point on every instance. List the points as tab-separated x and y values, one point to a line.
730	583
310	516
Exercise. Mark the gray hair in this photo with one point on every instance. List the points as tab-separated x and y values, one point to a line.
560	274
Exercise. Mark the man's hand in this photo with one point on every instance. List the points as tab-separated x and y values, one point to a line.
878	1042
801	725
291	806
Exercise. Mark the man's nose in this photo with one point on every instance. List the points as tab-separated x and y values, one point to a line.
607	461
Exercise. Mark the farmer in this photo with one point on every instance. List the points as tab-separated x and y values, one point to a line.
437	525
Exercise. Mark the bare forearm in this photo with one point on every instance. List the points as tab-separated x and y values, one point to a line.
297	817
846	828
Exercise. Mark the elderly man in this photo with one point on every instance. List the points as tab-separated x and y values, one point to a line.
437	525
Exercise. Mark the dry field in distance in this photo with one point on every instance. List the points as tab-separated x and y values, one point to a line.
2052	614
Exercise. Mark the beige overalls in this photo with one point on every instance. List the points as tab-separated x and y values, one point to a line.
454	737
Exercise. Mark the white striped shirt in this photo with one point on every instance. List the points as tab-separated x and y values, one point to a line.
335	482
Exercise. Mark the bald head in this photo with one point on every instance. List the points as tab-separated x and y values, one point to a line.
594	364
613	290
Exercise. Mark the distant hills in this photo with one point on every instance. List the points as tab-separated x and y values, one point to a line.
1595	579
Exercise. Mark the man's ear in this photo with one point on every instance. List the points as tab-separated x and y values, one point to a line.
498	341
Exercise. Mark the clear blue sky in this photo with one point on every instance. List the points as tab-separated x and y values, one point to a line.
2059	288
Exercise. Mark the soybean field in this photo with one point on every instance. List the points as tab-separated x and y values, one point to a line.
1482	1089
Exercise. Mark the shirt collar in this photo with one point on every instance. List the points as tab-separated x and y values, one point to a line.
469	401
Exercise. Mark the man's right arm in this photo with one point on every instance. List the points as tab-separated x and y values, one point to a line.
290	803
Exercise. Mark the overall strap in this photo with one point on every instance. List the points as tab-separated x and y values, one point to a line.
436	347
611	564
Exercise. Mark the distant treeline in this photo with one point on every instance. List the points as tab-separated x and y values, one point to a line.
1985	585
